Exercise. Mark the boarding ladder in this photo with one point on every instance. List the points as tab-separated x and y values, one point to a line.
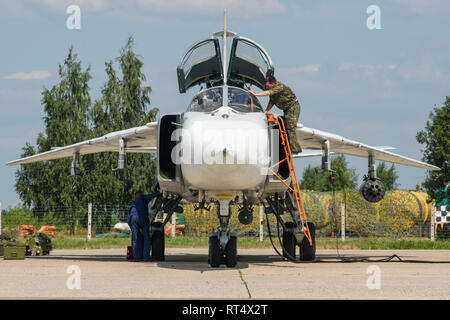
271	118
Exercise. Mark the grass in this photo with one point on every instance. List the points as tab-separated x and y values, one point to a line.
382	243
80	242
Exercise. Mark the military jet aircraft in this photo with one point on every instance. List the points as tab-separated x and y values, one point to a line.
223	151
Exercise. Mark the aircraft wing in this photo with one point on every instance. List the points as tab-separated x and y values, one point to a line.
139	139
310	138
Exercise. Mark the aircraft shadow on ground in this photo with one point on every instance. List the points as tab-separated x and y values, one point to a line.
185	261
199	262
84	257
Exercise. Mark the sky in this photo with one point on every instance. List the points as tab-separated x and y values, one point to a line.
373	85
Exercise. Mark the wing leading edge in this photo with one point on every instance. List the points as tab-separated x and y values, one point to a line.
139	139
310	138
143	140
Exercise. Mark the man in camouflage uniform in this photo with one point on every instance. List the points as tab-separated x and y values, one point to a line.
283	97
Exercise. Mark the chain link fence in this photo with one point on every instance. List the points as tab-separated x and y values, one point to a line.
401	214
67	220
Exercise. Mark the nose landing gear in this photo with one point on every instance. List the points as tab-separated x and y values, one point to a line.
223	243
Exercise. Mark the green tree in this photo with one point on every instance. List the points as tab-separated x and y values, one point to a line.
70	117
46	185
436	138
135	97
388	176
315	179
124	104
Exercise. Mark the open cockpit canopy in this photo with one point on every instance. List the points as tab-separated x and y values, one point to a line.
249	64
200	64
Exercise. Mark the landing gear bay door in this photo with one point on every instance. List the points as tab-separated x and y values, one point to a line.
249	64
201	64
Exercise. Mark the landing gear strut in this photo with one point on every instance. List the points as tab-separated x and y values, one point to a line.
293	235
169	206
223	243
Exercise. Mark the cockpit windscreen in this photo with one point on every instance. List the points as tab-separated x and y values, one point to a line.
207	101
212	99
242	101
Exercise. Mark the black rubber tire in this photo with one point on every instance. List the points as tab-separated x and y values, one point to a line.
215	252
158	246
231	253
289	242
307	251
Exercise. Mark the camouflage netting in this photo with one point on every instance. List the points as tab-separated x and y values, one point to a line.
400	214
202	222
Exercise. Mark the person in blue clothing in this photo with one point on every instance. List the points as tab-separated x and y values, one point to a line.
139	223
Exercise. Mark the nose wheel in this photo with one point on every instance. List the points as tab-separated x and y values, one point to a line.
219	255
223	244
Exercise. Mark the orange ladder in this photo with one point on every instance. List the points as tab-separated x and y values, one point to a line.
271	118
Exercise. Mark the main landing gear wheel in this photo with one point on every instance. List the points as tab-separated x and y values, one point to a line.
289	242
158	243
307	251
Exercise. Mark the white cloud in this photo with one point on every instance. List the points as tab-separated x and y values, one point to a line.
60	6
307	68
368	69
378	67
248	8
33	75
346	67
236	8
429	8
424	71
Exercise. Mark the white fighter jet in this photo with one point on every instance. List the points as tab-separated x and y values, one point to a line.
223	151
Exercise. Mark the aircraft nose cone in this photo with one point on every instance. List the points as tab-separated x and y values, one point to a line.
225	150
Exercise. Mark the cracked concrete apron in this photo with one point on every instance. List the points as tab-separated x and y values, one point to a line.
260	274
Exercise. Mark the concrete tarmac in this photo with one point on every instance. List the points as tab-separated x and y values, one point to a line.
260	274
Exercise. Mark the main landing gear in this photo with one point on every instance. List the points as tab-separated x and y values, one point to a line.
169	206
293	231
